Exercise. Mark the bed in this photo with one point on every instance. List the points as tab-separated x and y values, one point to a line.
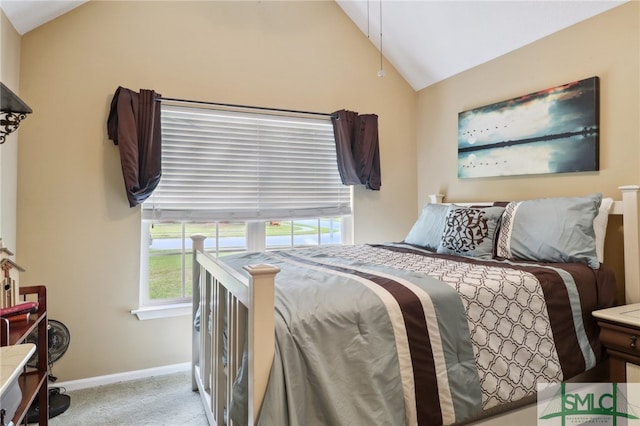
477	305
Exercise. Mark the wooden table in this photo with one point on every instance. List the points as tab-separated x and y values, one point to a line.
620	335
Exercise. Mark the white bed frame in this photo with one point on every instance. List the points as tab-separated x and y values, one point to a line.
249	315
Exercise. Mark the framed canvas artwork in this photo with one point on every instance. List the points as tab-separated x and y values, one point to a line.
551	131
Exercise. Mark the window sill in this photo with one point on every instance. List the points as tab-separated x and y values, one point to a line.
163	311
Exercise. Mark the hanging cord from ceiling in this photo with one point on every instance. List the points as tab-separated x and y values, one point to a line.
381	72
368	20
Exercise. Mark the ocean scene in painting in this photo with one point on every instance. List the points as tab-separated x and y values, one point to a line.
551	131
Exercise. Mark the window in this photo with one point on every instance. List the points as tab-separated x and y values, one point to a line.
248	182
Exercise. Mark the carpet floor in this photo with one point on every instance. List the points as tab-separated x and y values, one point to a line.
156	401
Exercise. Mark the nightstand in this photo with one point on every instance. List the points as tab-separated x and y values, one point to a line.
620	335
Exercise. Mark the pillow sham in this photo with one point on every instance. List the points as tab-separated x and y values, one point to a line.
427	230
470	231
550	230
600	226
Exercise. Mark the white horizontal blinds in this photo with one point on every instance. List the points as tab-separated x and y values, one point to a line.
226	165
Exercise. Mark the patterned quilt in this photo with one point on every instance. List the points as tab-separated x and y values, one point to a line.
393	335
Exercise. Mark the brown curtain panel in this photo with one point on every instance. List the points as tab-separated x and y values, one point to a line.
357	148
134	125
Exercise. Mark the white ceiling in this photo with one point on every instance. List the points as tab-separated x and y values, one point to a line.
428	41
425	40
26	15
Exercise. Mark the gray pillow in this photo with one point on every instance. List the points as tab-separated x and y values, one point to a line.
551	230
470	231
427	230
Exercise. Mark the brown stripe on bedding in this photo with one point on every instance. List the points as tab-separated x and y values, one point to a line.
597	291
424	374
594	291
561	319
558	308
589	284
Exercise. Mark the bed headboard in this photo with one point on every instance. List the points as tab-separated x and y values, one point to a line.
628	208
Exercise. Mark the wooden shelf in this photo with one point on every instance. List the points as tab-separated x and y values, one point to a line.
33	382
19	330
30	384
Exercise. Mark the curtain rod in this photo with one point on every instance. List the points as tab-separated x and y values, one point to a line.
291	111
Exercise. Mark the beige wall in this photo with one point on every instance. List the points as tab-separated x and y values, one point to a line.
10	76
607	46
76	233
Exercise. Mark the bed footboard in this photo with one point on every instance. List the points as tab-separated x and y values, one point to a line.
230	309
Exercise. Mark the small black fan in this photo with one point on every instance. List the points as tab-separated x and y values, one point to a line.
58	338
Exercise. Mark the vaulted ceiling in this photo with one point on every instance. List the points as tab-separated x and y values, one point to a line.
425	40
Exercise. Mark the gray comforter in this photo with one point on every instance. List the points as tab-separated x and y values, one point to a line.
414	338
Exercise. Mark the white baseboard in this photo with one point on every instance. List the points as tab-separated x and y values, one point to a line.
108	379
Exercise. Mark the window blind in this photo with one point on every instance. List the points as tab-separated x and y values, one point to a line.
227	165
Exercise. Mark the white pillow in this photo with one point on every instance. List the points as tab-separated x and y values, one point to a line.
600	226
